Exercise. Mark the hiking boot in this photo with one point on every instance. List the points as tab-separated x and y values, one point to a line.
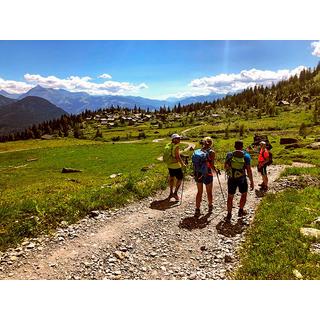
197	212
228	217
242	213
210	208
264	188
175	196
170	196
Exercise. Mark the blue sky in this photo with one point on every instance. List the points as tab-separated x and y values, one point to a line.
152	69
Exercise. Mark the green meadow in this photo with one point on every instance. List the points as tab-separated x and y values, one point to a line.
36	196
274	247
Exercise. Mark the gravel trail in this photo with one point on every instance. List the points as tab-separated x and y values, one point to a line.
150	239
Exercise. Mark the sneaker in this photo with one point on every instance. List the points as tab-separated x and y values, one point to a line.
197	212
175	196
228	217
242	213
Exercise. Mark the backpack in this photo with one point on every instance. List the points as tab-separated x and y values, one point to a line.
167	154
270	160
236	165
200	161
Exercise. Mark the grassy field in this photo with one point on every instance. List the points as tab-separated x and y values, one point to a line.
274	246
36	196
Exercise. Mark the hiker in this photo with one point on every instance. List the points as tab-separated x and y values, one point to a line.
237	164
203	165
263	160
175	165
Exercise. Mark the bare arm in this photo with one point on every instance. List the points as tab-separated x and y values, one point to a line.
178	158
249	171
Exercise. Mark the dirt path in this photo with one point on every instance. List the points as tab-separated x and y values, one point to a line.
151	239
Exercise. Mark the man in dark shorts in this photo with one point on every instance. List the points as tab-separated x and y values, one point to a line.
237	164
175	167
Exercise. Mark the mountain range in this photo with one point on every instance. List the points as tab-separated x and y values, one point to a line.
76	102
17	115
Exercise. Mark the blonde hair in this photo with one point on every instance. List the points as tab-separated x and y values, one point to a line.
207	140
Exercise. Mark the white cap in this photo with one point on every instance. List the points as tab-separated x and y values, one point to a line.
175	136
262	142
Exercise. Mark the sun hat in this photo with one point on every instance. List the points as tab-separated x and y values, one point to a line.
175	136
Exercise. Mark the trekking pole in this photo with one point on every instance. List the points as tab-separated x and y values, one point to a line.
218	172
182	190
183	178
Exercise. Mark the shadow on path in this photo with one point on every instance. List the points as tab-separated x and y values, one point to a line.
163	204
228	229
260	193
195	222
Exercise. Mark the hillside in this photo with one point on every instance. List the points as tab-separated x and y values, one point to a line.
9	95
21	114
5	100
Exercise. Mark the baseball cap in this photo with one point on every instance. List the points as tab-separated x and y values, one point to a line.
262	142
175	136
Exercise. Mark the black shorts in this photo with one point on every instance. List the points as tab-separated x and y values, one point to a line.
176	173
205	179
241	183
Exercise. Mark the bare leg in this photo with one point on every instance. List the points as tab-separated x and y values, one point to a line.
265	180
229	202
243	200
209	193
199	195
178	184
171	184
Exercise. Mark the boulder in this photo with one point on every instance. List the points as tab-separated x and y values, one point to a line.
115	175
297	274
310	232
70	170
47	137
314	146
293	146
146	168
288	140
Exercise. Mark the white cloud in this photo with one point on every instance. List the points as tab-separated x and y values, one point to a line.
14	87
105	76
316	48
73	84
233	82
